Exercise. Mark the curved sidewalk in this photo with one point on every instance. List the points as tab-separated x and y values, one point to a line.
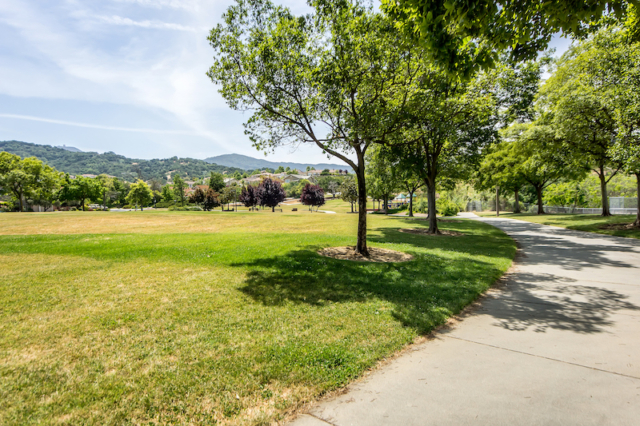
557	344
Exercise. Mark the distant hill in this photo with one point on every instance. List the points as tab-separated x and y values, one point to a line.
249	163
130	169
69	148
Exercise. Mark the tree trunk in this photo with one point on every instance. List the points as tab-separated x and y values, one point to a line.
385	200
539	195
497	201
82	203
273	209
431	199
410	204
21	202
351	207
516	206
361	245
603	192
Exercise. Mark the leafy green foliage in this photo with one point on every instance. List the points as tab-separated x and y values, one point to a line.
29	177
140	194
464	36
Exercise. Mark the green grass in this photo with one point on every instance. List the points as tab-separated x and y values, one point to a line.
214	318
579	222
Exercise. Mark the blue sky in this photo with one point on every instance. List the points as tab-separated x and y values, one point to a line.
122	75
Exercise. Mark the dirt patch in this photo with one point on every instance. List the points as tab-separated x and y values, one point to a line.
420	231
618	226
375	254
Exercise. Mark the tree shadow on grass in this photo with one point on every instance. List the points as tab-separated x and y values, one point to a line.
424	292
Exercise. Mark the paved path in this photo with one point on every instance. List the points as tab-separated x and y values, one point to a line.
559	344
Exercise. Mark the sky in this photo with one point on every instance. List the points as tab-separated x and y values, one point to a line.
126	76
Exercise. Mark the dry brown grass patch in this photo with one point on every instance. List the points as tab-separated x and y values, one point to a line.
375	254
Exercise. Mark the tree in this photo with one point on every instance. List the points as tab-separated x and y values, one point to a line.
500	168
325	172
466	35
408	180
211	200
329	184
337	78
280	169
229	194
248	196
140	194
535	153
197	196
167	193
614	57
451	124
382	181
216	182
80	188
575	104
288	169
270	193
27	177
349	191
312	195
178	189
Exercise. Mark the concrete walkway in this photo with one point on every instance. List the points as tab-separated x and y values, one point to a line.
558	344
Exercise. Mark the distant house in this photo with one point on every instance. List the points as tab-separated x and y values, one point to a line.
189	183
230	181
291	178
314	172
89	176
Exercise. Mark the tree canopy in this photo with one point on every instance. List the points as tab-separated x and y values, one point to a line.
464	36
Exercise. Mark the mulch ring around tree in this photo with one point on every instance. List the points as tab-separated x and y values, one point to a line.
375	254
618	226
421	231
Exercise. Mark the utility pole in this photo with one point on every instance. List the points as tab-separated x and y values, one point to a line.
497	201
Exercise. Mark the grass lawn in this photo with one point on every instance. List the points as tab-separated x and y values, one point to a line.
580	222
210	317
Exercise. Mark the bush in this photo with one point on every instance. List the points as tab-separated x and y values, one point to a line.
164	204
447	207
185	209
73	209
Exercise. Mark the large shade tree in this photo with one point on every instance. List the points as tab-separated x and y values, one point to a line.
501	168
80	189
26	178
532	150
337	78
451	123
575	103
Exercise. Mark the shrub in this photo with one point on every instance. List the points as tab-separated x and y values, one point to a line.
185	209
447	207
73	209
164	204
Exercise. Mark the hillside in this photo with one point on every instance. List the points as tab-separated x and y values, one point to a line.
250	163
112	164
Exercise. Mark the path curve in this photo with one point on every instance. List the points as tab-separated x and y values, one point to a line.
558	344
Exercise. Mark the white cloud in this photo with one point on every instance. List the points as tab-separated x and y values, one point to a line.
98	126
118	20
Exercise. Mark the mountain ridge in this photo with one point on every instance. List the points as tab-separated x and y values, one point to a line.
130	169
250	163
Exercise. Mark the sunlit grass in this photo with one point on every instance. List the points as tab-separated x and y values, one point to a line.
213	318
580	222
